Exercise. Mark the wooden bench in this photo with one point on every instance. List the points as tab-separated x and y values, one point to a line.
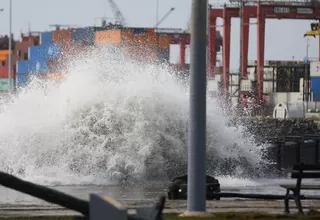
299	172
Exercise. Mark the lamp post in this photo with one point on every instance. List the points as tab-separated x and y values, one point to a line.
10	47
306	79
157	13
197	114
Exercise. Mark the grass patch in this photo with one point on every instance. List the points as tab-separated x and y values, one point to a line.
217	216
248	216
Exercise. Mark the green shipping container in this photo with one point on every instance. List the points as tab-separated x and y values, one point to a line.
4	84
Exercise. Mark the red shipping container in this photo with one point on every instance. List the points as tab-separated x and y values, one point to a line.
62	36
4	72
55	65
21	49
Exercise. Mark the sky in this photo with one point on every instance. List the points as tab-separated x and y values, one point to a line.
284	38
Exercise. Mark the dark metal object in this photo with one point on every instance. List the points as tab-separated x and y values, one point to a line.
313	172
44	193
70	202
178	188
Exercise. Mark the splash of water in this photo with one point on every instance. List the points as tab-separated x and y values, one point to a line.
112	120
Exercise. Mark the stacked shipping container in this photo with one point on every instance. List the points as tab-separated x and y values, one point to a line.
315	81
56	47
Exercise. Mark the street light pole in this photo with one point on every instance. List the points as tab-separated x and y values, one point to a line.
197	111
157	13
10	46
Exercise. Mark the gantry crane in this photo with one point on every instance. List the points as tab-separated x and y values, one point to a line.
315	30
164	17
120	20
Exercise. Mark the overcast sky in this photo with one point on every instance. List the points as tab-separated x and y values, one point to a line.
284	38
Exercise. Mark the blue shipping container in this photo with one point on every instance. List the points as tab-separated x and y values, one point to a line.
46	38
83	35
48	51
22	80
22	66
38	66
138	30
315	88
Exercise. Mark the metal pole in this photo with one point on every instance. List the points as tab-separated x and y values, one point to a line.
10	46
305	88
157	13
197	115
241	50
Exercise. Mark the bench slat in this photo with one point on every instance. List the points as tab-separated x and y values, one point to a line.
307	167
308	187
308	175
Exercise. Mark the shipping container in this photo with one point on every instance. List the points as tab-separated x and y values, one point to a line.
315	68
22	80
139	39
268	87
163	55
150	31
38	66
83	35
55	76
46	38
4	52
152	39
245	85
4	84
21	49
61	36
22	66
164	41
4	70
48	51
108	37
3	58
71	50
56	65
315	88
138	30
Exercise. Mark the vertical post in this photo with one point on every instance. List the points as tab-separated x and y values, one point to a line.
157	12
319	49
212	35
182	52
197	115
260	51
245	20
226	51
306	80
10	46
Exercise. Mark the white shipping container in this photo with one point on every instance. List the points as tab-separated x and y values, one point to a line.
267	86
245	85
315	68
286	97
268	74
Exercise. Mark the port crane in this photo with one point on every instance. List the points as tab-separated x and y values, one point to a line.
120	20
164	17
315	30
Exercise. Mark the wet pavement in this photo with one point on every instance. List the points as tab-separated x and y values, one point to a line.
13	203
224	205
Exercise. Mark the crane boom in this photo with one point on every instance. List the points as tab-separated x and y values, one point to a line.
117	13
315	30
164	17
